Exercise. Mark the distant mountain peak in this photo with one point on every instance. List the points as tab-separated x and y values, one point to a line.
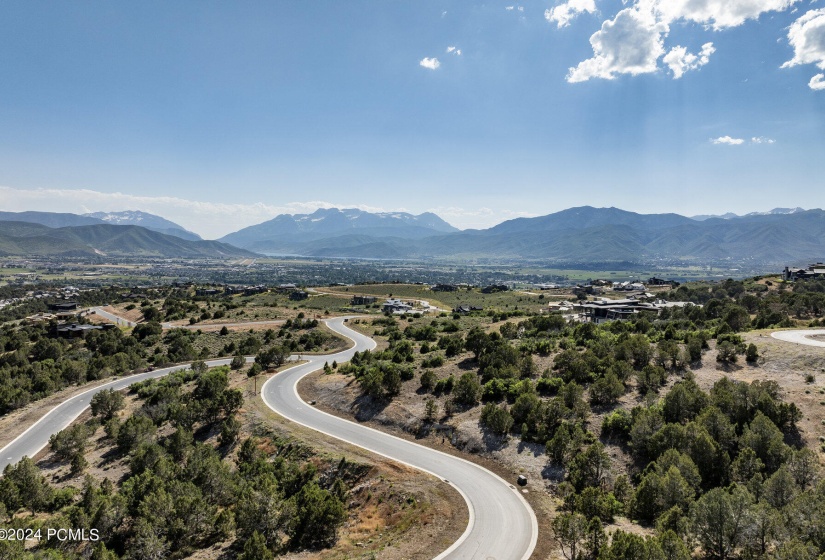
731	215
145	219
289	229
777	211
102	239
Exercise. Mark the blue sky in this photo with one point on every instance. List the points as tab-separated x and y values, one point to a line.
219	115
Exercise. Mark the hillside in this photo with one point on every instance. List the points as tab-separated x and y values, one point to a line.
28	239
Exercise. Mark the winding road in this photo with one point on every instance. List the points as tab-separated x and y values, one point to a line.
502	525
801	337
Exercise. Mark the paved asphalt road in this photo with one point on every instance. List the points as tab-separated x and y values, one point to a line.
120	321
801	337
36	437
502	525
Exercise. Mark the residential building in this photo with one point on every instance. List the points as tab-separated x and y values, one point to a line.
397	306
64	306
601	311
816	270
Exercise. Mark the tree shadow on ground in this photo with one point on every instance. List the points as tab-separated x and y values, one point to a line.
553	472
531	447
366	407
793	437
728	367
493	441
467	364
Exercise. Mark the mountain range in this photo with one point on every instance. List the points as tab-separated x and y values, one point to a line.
129	217
576	235
298	234
584	235
102	240
731	215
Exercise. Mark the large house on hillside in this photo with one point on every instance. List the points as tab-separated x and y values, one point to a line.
75	330
601	311
397	306
816	270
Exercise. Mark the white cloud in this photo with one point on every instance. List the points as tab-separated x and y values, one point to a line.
680	61
727	140
430	63
633	41
210	219
510	8
817	82
718	14
564	13
454	50
807	37
630	43
762	140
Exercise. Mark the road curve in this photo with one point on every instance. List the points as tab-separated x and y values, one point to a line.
801	337
36	437
502	525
